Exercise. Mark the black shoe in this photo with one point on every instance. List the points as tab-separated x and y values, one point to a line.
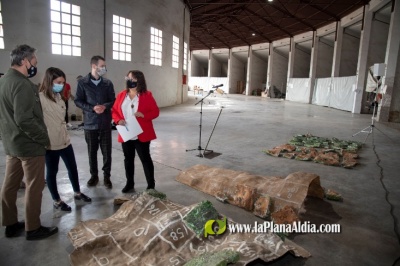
12	230
41	232
62	205
107	182
93	181
83	197
128	188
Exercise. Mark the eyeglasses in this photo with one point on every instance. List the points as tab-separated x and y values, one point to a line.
128	78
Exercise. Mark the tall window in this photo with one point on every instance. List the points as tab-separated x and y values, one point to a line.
175	51
1	30
155	46
184	56
65	28
122	38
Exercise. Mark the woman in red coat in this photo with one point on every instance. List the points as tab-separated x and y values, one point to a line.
136	101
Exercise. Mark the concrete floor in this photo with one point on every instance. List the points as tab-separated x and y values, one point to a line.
369	215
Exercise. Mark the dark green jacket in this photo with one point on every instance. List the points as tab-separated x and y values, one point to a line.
22	127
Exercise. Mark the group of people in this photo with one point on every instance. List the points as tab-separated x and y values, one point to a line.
33	127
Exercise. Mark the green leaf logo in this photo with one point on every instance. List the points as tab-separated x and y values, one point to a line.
208	227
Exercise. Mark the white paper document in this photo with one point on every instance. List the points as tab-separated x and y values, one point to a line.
130	129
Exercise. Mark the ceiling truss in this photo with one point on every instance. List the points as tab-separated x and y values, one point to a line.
233	23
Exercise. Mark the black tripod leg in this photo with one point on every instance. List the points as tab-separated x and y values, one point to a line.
212	131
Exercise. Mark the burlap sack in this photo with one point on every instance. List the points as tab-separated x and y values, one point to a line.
150	231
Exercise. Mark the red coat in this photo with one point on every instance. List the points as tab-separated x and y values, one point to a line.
147	106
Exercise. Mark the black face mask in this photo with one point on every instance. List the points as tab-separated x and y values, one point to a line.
131	84
32	71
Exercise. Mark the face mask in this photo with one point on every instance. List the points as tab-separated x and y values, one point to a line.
58	87
31	71
131	84
101	71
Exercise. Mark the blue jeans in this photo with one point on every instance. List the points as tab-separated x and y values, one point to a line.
52	160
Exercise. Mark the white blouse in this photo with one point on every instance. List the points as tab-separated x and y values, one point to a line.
129	107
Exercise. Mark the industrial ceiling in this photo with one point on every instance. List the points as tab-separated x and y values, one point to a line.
219	24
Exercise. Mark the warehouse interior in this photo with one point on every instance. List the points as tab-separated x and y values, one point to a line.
286	68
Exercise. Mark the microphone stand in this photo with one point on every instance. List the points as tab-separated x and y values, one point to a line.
370	129
201	119
212	131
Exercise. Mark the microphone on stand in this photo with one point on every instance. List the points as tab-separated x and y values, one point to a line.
211	91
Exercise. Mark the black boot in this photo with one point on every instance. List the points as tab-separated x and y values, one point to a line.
107	182
128	188
93	181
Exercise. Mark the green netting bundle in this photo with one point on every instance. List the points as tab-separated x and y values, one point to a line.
354	145
312	143
325	144
197	218
309	147
297	140
220	258
339	144
296	143
156	194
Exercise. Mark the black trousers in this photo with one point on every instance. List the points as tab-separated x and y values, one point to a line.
94	139
143	150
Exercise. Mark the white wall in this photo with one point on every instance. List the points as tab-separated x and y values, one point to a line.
377	48
378	42
324	60
224	69
238	72
258	75
196	68
349	56
29	22
279	71
215	67
301	63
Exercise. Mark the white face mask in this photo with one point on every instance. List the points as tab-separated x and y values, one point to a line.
101	71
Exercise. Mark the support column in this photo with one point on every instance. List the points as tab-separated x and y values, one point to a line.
313	65
209	63
392	53
292	51
269	70
189	71
362	68
337	50
248	79
228	82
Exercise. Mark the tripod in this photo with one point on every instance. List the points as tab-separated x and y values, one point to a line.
199	148
370	129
